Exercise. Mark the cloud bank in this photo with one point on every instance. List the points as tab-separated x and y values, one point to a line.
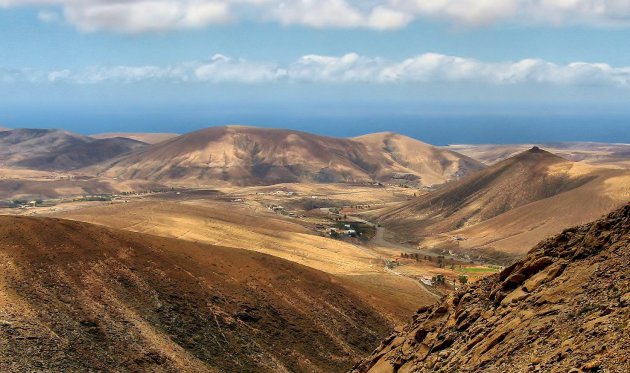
137	16
429	68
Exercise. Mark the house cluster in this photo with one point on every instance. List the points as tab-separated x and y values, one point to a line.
278	193
346	231
20	204
281	210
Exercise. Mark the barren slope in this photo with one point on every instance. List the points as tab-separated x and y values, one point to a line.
564	308
514	182
77	297
509	206
433	165
146	137
517	230
249	155
614	155
227	224
58	150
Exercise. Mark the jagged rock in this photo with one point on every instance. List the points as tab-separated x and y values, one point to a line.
564	307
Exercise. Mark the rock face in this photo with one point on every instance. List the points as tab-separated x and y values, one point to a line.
564	308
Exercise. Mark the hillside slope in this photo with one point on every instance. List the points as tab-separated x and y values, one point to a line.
433	165
564	307
509	184
58	150
77	297
614	155
550	193
146	137
249	156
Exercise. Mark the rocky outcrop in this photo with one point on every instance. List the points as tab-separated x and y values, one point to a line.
565	307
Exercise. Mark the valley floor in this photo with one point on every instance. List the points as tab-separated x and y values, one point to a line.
295	222
243	218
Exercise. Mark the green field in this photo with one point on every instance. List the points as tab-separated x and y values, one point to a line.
478	270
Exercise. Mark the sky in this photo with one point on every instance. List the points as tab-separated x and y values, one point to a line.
443	71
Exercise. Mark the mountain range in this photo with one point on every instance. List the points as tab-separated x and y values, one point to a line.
58	150
510	205
249	156
606	154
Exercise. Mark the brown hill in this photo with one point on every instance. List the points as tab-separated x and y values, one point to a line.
564	308
509	184
58	150
249	155
550	193
431	164
146	137
613	155
77	297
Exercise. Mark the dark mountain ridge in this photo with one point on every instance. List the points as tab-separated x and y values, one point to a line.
58	150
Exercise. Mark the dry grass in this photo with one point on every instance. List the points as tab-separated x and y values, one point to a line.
228	224
77	297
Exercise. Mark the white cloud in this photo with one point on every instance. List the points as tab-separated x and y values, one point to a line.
136	16
222	69
428	68
10	76
47	16
143	16
326	69
317	13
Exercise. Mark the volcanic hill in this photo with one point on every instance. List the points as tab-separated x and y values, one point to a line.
58	150
146	137
540	192
253	156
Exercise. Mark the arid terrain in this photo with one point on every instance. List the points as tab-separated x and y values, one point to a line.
565	307
58	150
253	156
314	186
602	154
192	252
509	206
74	296
148	138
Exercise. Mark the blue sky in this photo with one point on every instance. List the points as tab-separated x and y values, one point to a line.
426	68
